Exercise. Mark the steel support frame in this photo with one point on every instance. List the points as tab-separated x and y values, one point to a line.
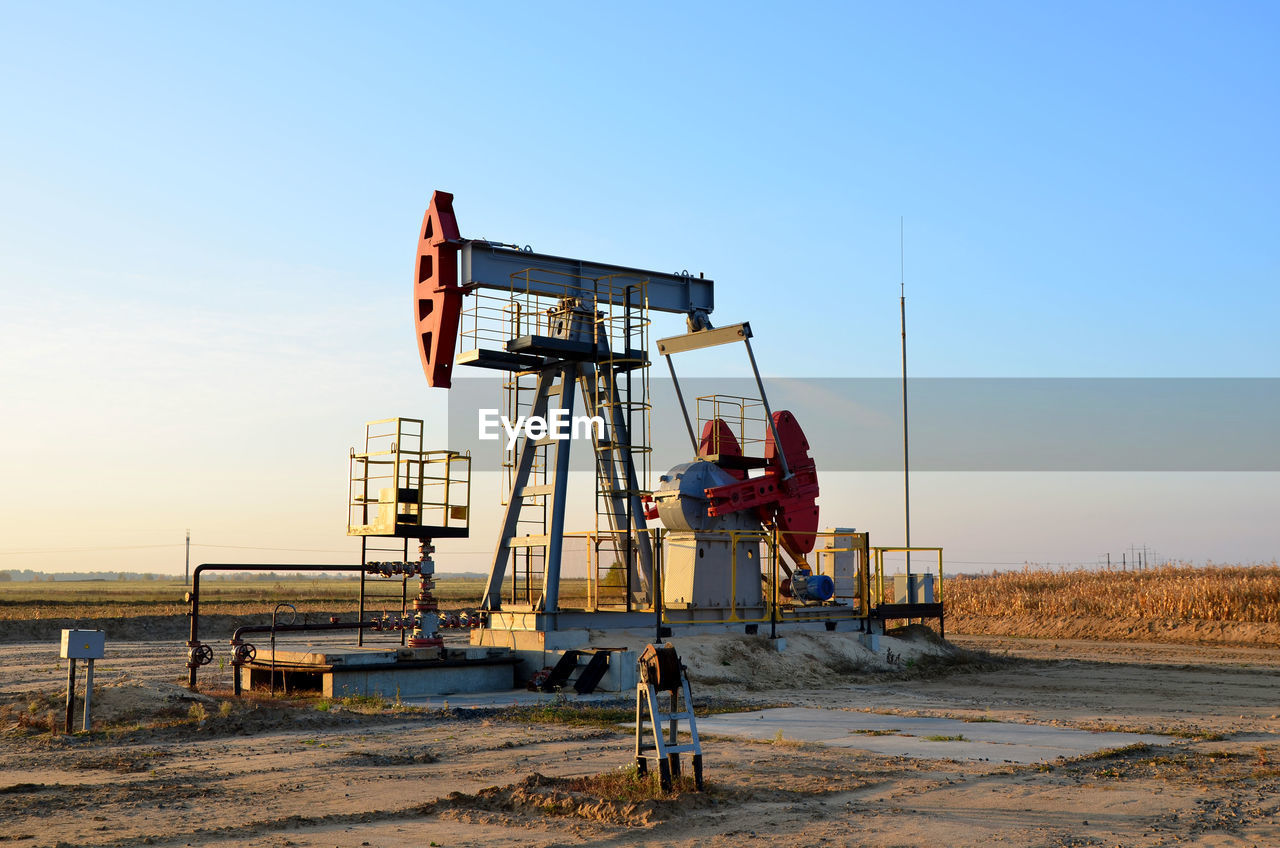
524	465
627	513
572	376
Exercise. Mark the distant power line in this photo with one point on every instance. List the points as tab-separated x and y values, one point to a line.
88	550
444	552
260	548
1019	562
95	549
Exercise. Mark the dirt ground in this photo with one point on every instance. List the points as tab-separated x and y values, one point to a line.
166	767
1185	632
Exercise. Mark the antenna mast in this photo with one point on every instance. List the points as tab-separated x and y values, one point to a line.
906	465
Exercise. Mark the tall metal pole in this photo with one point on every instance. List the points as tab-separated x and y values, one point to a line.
906	464
657	583
187	567
88	695
71	691
364	557
773	558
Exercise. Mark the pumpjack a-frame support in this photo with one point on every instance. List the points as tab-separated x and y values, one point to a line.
563	379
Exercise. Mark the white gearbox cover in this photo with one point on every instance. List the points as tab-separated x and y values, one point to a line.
682	503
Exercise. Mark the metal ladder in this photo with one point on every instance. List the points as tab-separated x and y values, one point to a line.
535	484
528	561
620	537
666	748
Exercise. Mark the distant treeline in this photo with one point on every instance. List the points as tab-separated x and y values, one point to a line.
26	575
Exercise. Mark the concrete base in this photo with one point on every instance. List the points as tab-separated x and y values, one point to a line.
909	736
538	649
417	683
539	639
389	672
347	655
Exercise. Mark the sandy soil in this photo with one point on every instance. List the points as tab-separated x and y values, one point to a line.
261	772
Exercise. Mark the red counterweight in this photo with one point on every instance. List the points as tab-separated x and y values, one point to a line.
787	503
437	297
797	511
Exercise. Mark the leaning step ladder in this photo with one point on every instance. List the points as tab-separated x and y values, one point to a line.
666	748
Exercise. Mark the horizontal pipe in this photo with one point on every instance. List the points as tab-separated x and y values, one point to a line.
298	628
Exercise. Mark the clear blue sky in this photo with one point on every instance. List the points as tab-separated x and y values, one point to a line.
208	215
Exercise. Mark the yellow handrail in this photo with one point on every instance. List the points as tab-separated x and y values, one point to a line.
878	555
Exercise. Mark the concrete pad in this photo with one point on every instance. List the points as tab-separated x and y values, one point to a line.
445	679
508	698
346	655
905	735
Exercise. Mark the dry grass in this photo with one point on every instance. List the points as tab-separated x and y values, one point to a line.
109	598
628	785
1179	592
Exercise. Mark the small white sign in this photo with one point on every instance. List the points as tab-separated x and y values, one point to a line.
84	644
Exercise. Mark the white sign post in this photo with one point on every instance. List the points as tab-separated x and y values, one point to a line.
81	645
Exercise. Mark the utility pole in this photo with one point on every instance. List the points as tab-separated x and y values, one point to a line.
187	571
906	464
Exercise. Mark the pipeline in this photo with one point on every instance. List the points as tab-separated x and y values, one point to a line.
243	652
199	654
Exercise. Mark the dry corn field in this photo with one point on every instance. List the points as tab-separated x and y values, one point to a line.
1227	593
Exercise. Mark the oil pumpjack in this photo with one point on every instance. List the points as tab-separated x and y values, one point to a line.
739	541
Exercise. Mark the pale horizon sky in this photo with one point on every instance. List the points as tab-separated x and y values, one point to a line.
208	219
